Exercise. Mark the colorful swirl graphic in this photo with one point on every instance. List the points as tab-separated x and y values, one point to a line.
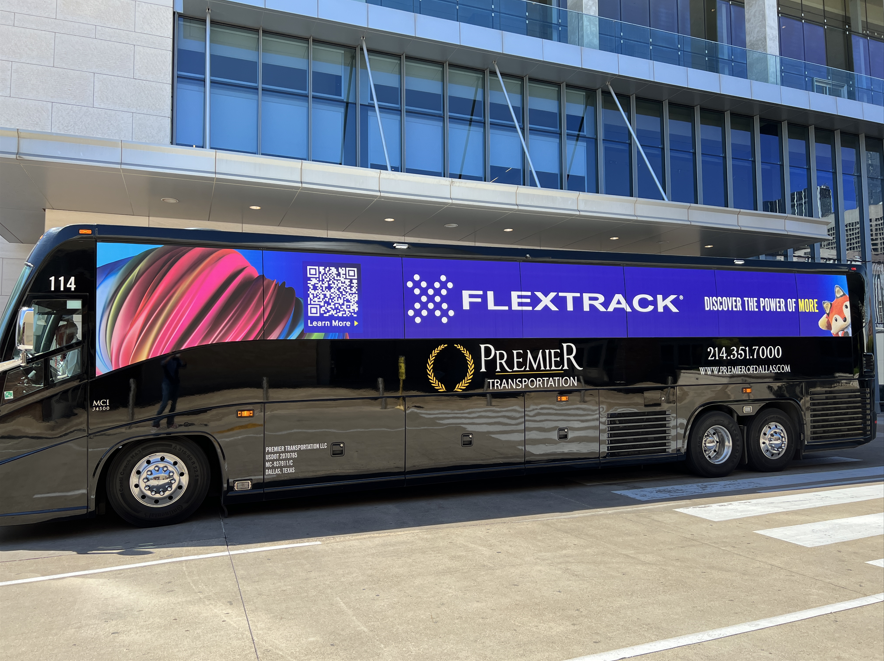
171	298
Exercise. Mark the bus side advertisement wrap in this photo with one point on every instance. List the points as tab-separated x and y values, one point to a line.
153	300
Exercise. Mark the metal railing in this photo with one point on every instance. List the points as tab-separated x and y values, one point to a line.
573	27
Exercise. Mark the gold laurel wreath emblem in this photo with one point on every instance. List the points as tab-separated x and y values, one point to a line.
438	385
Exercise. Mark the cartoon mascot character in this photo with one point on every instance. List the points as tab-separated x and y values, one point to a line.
837	317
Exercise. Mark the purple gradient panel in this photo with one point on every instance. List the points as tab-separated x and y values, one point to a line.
681	289
380	287
476	301
764	304
595	288
813	289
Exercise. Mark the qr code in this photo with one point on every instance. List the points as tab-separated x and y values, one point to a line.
332	291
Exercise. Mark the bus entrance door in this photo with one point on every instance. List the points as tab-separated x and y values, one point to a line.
561	426
637	422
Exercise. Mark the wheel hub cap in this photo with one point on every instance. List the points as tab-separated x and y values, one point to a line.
774	440
717	444
158	480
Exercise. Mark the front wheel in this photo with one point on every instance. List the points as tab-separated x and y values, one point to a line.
715	445
158	483
771	440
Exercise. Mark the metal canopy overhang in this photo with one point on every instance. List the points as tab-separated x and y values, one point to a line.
378	41
127	181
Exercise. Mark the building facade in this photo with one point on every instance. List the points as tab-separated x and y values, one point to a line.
683	127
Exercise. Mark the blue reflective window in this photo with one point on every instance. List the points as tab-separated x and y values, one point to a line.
284	96
772	168
712	150
190	102
234	111
649	129
466	124
616	147
385	74
743	161
799	172
875	177
681	154
506	149
333	124
827	189
424	148
851	190
544	127
580	124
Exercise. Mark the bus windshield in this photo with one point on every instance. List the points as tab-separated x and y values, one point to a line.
12	302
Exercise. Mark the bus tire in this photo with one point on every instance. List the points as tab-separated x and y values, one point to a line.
771	441
158	483
715	445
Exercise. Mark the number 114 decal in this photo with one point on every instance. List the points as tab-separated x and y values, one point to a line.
60	283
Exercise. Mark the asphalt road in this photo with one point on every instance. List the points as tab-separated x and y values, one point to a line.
552	568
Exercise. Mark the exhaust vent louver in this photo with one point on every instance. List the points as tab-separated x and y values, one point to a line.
837	415
636	433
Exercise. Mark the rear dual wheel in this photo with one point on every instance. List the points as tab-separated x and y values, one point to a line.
715	445
771	441
158	483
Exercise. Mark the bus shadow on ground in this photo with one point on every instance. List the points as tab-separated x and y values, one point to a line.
384	510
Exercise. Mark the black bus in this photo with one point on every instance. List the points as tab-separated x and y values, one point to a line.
145	368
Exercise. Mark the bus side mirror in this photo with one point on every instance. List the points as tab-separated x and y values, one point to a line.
24	336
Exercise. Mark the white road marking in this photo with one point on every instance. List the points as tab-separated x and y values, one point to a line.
735	630
815	485
721	486
220	554
877	563
829	532
740	509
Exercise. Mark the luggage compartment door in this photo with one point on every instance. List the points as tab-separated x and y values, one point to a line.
561	426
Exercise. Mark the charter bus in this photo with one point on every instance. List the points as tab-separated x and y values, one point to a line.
145	368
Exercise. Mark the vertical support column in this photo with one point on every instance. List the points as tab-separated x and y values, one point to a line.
599	142
728	163
698	154
310	99
207	134
866	225
173	132
667	165
445	163
762	39
840	225
756	147
563	134
487	116
784	157
527	128
402	113
634	147
260	82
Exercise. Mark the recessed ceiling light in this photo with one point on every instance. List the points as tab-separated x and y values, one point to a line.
508	229
709	246
255	207
451	225
739	261
389	220
169	200
615	238
400	246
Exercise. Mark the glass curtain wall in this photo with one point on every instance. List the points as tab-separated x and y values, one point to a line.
333	121
681	154
852	192
649	129
875	175
827	190
424	122
466	124
800	203
616	147
581	155
743	161
234	73
544	133
772	199
506	149
712	147
385	73
190	100
284	104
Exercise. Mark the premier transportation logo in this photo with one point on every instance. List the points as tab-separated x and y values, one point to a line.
431	369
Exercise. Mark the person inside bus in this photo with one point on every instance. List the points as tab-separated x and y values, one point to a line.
172	366
66	364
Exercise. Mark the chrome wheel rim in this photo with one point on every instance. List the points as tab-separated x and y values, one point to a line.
774	440
159	480
717	444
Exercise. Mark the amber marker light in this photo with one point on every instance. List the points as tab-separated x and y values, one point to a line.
562	398
85	231
748	391
247	413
